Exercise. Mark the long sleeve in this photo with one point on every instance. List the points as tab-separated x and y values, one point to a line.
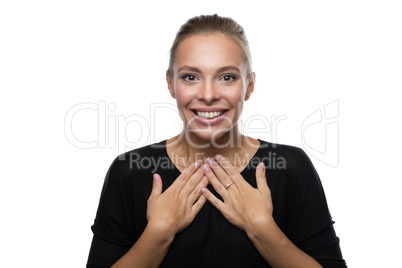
310	222
111	239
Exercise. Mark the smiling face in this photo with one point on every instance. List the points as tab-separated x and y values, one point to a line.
210	84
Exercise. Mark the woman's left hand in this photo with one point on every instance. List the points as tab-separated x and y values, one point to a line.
244	206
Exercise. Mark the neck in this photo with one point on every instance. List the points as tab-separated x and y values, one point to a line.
188	148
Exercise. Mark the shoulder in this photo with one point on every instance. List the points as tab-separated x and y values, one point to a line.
145	153
282	156
135	162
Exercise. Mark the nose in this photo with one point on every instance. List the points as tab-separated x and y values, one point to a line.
209	92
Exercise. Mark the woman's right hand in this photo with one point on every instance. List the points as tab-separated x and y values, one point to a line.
174	209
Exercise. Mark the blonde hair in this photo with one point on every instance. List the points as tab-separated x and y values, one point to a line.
210	24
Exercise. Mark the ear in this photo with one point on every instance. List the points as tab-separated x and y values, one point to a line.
169	81
250	87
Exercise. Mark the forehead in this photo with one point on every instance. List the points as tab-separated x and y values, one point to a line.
209	51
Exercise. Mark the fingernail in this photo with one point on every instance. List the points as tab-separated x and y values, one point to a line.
206	168
261	166
156	178
203	190
205	177
197	164
209	161
219	157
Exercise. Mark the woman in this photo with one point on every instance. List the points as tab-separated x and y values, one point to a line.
203	201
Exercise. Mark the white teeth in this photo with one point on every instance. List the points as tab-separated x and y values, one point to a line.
209	115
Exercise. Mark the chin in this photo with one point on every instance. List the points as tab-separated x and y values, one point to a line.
211	136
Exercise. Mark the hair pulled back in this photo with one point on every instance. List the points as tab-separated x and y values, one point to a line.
212	24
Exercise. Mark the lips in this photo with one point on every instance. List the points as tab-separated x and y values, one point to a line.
209	109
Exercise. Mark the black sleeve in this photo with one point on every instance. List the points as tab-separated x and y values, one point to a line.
311	224
111	239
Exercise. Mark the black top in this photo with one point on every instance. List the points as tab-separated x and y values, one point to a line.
300	210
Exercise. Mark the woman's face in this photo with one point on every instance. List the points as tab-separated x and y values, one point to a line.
210	84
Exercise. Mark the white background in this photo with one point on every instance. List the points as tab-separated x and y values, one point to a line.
307	54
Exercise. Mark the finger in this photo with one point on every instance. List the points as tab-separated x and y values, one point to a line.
218	186
213	199
198	206
261	178
232	173
191	183
219	172
156	186
185	175
195	194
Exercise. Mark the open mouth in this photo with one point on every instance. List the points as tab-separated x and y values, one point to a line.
209	115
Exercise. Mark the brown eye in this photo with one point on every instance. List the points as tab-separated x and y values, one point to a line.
189	77
228	78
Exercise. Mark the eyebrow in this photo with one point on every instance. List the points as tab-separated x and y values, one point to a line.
196	70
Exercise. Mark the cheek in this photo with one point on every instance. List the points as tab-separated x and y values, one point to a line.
236	99
183	96
235	96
